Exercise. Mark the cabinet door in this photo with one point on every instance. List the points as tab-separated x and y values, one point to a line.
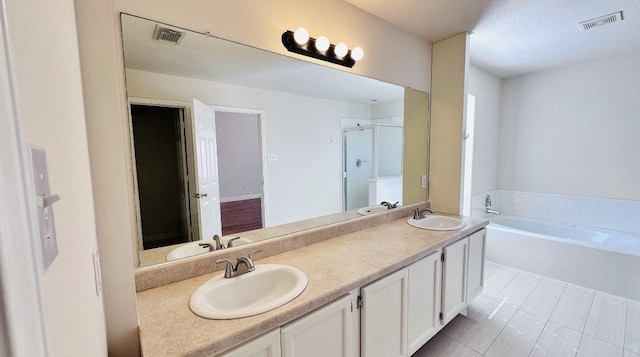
475	281
384	317
267	345
424	301
454	279
322	333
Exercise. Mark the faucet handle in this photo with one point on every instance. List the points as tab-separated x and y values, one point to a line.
230	241
207	245
252	253
229	270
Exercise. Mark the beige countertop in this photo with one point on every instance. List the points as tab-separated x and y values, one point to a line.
333	267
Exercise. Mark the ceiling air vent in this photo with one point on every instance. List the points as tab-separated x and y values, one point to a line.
601	21
167	35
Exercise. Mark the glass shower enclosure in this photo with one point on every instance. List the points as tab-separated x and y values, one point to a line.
372	170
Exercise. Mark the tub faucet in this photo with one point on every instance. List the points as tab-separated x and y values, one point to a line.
389	205
487	201
419	213
487	205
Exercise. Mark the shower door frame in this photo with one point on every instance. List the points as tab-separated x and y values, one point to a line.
374	156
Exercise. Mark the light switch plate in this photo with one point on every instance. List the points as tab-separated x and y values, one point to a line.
423	182
44	206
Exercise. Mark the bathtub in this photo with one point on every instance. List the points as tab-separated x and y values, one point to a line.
600	259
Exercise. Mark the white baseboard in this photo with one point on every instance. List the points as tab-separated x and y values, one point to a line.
240	198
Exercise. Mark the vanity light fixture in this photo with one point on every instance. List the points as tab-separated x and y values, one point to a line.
321	48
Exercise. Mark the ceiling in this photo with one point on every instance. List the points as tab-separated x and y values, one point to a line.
514	37
208	58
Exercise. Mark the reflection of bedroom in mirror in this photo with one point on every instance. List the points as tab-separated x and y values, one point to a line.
165	155
259	146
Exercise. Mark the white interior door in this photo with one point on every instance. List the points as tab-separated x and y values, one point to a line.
208	186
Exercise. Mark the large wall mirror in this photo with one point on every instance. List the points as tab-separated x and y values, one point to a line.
245	144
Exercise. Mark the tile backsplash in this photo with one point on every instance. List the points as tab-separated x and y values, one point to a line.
607	213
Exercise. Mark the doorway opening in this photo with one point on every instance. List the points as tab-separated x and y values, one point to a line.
162	171
240	170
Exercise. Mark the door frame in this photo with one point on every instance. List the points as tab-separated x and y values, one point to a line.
23	325
186	125
262	143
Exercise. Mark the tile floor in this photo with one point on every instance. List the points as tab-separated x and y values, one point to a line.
523	314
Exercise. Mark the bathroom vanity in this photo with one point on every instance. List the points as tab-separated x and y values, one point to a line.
378	291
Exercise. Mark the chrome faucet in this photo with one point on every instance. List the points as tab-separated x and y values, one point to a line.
207	245
487	206
218	242
419	213
230	242
243	265
389	205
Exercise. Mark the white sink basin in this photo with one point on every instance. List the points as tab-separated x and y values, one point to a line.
193	248
437	223
267	287
365	211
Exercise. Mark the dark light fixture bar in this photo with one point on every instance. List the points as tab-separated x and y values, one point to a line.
320	48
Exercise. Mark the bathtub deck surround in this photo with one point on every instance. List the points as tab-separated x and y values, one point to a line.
623	215
169	328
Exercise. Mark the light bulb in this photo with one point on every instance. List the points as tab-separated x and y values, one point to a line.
341	50
301	36
322	44
357	53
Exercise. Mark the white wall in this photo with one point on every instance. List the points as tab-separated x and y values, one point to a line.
50	103
488	90
389	110
303	131
573	130
239	155
391	55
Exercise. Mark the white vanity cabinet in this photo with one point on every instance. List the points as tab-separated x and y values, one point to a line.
384	316
324	332
454	279
475	274
462	274
397	314
403	310
267	345
424	301
332	330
